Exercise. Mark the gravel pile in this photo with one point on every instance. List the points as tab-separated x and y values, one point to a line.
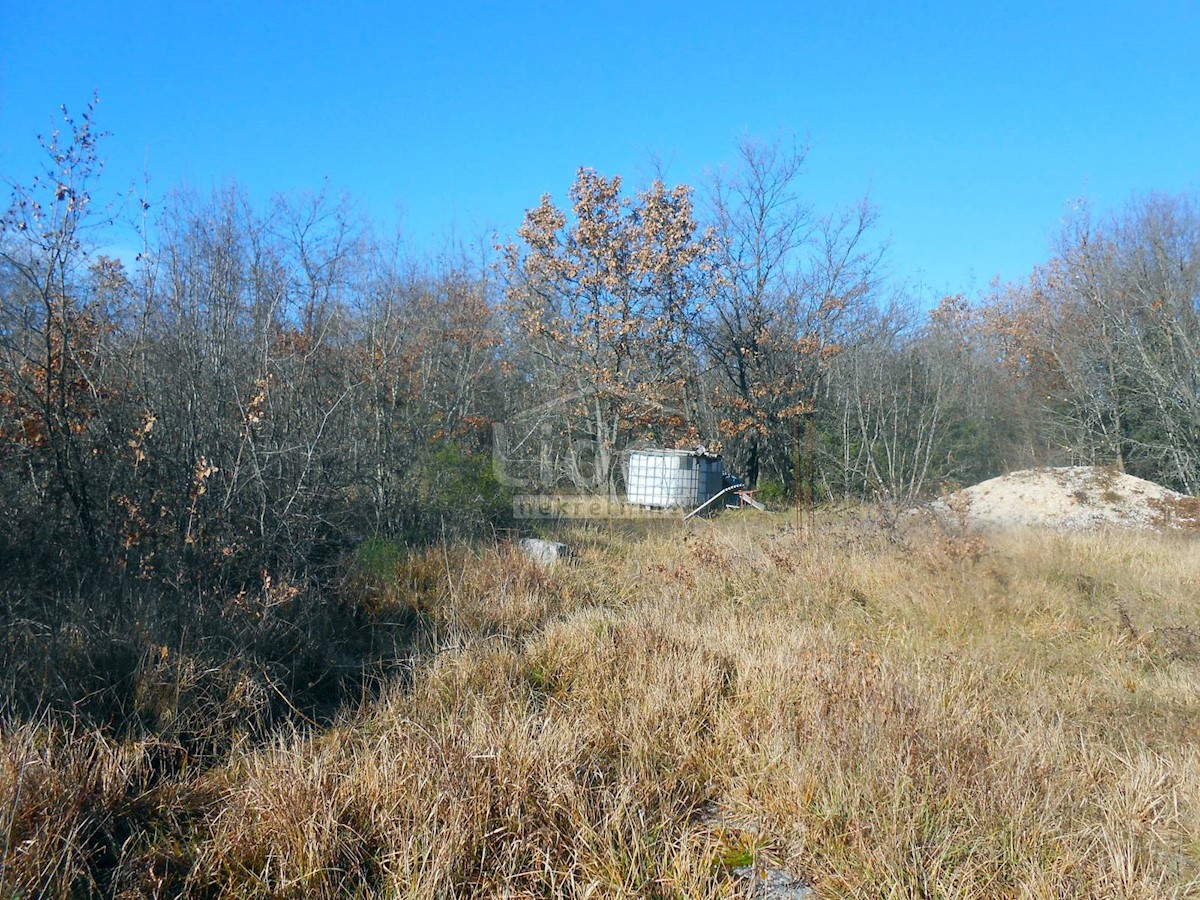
1069	498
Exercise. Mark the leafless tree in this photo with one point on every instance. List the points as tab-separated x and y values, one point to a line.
792	285
1108	330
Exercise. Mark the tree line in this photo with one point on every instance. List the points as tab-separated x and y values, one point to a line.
740	316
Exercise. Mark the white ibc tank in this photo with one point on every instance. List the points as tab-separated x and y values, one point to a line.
672	478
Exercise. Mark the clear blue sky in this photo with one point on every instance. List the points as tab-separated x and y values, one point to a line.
972	126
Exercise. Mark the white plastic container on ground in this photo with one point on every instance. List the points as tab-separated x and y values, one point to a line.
664	479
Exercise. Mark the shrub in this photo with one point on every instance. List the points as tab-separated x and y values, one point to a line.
456	494
773	493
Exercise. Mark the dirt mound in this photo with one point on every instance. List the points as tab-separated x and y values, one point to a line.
1071	498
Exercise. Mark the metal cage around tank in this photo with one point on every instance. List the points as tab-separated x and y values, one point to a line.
665	479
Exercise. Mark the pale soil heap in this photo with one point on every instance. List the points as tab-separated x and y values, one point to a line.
1069	498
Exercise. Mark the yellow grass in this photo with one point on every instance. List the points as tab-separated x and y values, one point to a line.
913	715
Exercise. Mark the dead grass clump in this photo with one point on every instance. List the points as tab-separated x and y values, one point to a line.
203	705
457	590
82	815
494	776
1178	642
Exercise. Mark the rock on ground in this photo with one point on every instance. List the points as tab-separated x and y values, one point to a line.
544	552
1069	498
767	883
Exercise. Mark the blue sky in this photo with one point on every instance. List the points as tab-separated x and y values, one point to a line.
973	127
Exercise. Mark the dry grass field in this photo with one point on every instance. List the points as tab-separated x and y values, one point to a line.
884	714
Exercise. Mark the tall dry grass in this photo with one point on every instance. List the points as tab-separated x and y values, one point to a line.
888	715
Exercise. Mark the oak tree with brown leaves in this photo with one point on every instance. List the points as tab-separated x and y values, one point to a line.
605	299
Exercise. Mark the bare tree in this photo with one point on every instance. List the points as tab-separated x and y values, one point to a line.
1109	331
59	385
791	285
